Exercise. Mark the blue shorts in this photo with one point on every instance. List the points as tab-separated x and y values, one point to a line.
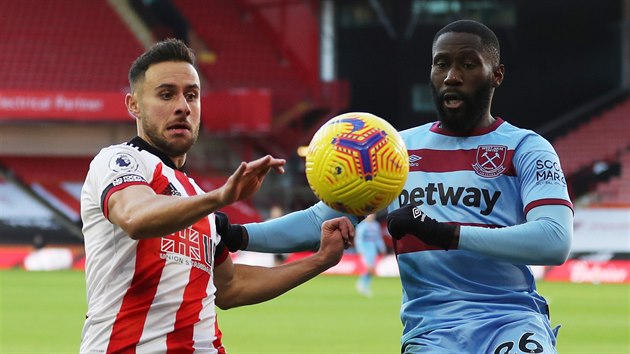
509	334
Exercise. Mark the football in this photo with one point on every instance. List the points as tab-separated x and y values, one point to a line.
357	163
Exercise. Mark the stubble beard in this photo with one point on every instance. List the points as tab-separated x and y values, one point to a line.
170	148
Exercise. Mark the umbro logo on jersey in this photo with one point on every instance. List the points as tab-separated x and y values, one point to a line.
414	160
417	213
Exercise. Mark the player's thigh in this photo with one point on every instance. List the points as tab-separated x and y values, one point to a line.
527	334
439	341
512	334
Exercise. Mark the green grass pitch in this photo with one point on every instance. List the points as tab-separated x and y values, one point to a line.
44	312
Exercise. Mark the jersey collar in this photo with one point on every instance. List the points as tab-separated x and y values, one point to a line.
140	144
497	122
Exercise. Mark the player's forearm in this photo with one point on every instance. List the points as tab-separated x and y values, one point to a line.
253	284
544	240
294	232
159	215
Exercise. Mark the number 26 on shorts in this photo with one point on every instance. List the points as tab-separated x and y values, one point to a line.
525	345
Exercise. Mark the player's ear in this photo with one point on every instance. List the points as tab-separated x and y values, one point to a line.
497	75
132	105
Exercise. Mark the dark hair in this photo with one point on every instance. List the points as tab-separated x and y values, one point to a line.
166	50
488	38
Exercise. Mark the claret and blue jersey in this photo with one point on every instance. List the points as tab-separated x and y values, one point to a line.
490	178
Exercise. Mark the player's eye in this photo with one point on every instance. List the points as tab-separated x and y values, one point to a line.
440	64
166	95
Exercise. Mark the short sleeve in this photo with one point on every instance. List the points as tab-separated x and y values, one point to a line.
541	178
116	168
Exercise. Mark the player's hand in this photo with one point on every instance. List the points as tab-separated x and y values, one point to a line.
233	235
248	178
411	220
337	235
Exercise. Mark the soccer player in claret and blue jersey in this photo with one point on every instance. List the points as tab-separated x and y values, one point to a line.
483	200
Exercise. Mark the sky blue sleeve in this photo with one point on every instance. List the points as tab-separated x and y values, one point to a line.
545	239
294	232
542	181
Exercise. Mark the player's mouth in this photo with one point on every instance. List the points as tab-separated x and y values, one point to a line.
179	128
452	100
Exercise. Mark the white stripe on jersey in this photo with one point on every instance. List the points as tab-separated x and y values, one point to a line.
201	339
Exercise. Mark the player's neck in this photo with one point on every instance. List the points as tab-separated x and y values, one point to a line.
485	122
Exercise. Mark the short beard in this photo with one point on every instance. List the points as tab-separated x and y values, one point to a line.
170	149
465	119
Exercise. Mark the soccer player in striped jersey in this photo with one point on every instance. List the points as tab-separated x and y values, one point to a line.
155	264
483	200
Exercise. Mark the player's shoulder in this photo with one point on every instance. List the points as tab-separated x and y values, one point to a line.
526	138
420	130
114	148
122	156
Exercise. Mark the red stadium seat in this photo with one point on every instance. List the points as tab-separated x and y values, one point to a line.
64	45
595	140
245	57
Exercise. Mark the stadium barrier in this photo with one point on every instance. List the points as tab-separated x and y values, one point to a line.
68	257
580	271
600	253
574	270
67	106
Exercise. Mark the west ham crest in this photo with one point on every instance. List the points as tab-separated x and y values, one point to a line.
490	160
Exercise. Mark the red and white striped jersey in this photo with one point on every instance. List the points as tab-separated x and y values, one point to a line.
154	295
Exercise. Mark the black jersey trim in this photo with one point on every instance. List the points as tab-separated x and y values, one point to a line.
139	143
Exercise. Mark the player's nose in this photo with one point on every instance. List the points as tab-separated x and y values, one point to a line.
183	106
453	76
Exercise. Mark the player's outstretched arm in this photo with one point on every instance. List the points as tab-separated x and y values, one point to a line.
239	285
142	213
545	239
294	232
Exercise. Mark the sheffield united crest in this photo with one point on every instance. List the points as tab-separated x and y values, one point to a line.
490	160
